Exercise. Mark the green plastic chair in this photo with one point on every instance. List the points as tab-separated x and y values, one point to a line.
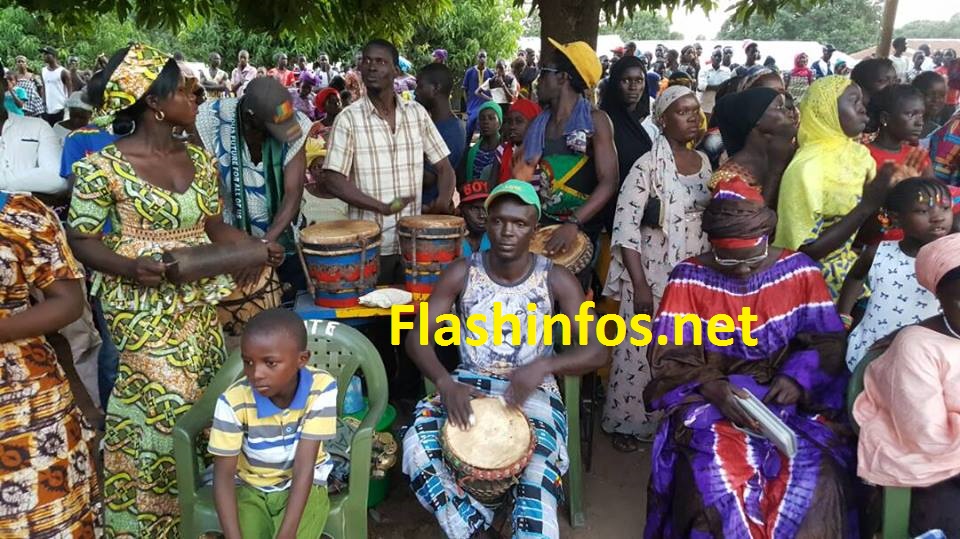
896	500
340	350
574	482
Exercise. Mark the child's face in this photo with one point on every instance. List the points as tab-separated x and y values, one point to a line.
926	222
270	363
475	216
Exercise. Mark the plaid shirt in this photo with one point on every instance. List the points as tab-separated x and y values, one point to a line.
945	151
382	164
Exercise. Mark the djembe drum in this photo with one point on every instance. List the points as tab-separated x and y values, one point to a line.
488	458
428	243
245	302
343	260
576	259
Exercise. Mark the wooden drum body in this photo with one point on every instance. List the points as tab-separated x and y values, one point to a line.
343	260
246	302
428	243
576	259
488	458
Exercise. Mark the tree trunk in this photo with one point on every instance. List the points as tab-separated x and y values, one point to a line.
569	20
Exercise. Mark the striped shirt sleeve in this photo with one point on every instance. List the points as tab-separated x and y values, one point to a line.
320	422
226	434
434	146
341	146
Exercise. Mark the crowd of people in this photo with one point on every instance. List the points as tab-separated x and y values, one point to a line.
823	198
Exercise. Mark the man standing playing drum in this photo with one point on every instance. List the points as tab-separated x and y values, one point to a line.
522	374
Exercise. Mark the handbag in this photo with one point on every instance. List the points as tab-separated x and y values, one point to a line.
771	427
652	213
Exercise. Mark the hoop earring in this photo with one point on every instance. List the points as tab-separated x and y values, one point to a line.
159	115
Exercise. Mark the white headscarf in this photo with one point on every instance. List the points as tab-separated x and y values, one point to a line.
668	97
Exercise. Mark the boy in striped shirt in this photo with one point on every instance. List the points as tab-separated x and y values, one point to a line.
270	469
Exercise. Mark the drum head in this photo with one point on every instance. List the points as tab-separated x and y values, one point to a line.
500	437
419	222
338	232
572	259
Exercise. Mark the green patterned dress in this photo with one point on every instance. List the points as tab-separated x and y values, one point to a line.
169	337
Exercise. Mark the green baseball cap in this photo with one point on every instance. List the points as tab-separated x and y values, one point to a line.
520	189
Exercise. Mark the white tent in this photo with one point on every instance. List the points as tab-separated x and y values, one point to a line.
782	51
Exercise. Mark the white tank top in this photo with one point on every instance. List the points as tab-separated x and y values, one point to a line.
54	92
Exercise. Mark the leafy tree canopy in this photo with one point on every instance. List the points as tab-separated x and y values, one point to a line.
850	25
949	29
641	25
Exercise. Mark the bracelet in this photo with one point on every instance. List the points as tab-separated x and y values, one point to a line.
574	221
847	321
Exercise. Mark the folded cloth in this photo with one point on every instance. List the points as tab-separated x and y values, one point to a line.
386	298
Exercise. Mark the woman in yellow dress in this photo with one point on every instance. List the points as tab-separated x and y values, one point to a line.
159	193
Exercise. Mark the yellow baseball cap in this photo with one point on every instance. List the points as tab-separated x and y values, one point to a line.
583	58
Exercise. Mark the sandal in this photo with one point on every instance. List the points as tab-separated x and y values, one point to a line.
625	443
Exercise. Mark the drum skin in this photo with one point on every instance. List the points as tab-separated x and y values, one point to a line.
428	243
489	457
576	259
343	260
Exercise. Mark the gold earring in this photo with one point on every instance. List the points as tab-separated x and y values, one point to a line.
159	115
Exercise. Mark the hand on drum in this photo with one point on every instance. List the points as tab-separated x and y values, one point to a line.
275	253
456	399
525	380
439	207
147	271
561	240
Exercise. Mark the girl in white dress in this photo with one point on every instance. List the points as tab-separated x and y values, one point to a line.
922	208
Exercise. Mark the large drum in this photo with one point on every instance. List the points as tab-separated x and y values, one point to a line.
489	457
245	302
428	244
343	260
576	259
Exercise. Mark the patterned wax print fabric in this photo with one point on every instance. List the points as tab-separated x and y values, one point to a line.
824	181
896	300
711	479
169	337
49	485
216	121
682	199
487	368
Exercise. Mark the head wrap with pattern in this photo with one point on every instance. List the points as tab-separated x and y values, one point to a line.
132	78
669	97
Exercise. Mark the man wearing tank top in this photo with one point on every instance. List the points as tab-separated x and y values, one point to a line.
57	86
506	279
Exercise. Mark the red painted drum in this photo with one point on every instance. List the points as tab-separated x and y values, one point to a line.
428	243
343	260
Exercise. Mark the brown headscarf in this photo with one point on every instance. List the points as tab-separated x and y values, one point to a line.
737	223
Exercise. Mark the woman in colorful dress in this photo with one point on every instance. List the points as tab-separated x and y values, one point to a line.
711	477
799	79
758	135
657	224
159	193
47	471
820	203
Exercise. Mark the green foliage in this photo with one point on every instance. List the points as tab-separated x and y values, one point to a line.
492	25
354	20
949	29
850	25
531	24
642	25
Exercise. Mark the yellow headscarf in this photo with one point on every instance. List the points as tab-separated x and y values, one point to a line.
825	180
133	77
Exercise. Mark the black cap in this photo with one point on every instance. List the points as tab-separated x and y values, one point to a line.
48	50
268	101
829	48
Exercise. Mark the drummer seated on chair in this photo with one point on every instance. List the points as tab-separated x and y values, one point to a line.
270	469
522	374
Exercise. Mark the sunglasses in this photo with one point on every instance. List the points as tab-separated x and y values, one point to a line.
752	261
548	70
